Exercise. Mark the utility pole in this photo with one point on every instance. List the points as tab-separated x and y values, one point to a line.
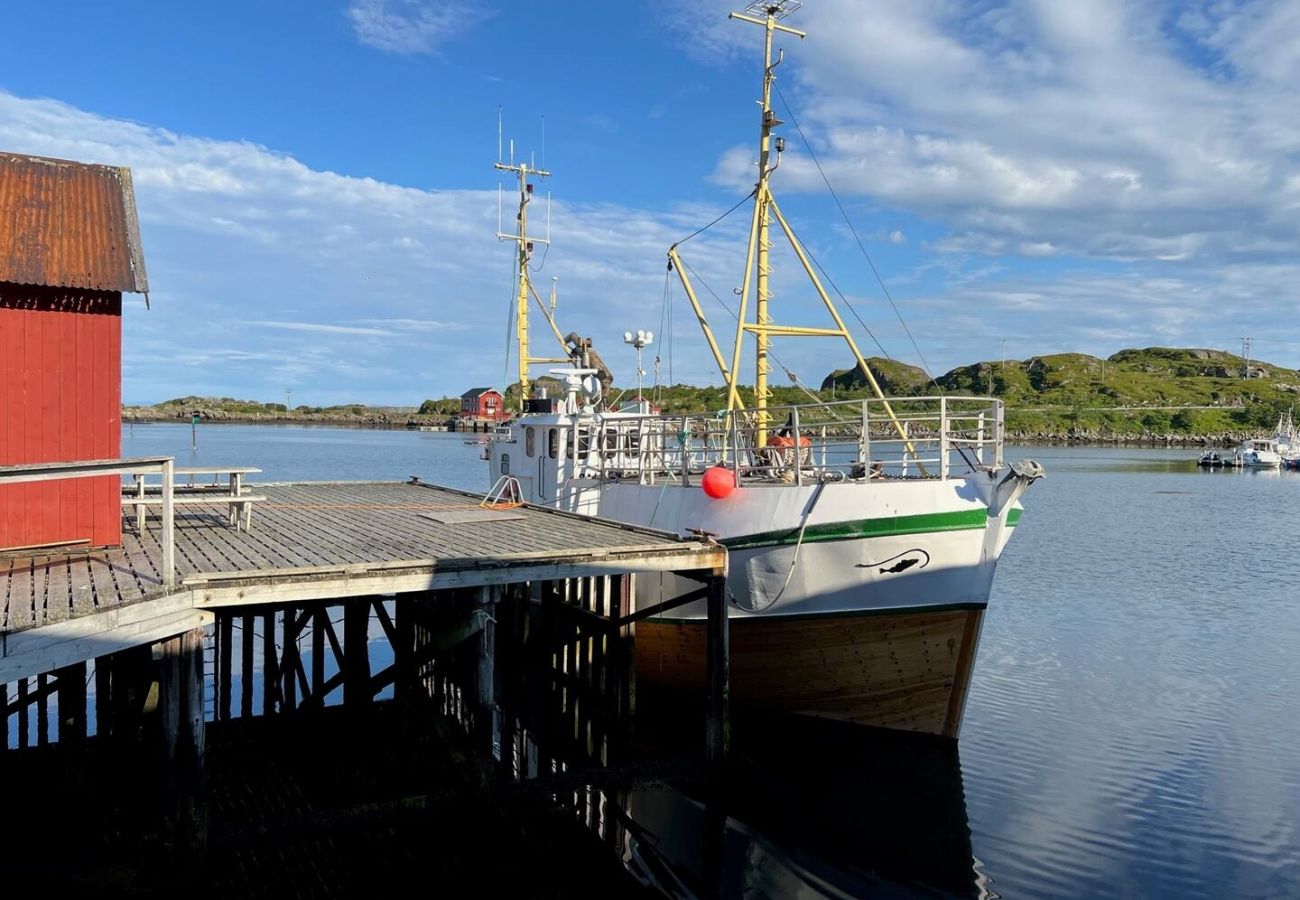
1004	355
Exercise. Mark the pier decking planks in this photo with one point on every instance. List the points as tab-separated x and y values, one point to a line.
298	527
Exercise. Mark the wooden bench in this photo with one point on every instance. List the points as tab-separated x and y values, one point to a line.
226	486
242	504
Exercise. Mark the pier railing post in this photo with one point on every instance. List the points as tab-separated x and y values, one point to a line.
168	526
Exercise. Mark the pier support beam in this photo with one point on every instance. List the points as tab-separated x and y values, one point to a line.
72	705
356	653
181	700
487	715
718	729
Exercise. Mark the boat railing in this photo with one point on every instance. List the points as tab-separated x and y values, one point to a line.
914	437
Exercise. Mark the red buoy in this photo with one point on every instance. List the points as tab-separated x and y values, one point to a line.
718	482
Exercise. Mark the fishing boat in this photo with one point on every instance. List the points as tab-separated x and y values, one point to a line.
863	534
1259	453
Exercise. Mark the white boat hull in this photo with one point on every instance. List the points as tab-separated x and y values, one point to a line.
865	546
850	598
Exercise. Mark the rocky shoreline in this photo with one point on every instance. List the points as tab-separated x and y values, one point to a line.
332	418
401	419
1114	439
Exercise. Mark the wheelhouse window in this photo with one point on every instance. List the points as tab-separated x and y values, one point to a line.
505	463
553	443
529	442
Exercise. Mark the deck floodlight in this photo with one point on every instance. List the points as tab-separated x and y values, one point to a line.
640	340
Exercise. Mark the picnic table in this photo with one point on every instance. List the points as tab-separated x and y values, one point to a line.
201	484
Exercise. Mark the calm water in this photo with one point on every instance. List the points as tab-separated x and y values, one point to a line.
1133	728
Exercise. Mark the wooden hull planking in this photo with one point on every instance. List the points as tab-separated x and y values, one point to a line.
906	670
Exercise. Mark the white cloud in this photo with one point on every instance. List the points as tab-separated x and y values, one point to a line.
1104	130
323	329
353	288
1124	183
411	26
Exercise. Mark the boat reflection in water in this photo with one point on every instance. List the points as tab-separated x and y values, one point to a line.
804	807
808	808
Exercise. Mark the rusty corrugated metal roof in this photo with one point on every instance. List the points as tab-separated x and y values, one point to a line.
69	224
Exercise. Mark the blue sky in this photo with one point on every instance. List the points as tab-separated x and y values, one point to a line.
318	202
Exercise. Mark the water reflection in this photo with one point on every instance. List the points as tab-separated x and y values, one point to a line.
815	809
805	808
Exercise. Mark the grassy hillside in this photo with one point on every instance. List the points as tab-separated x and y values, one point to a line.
1153	392
1158	389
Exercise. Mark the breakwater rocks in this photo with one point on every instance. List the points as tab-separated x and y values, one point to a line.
1118	439
338	418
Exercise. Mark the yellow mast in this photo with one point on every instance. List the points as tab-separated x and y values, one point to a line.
524	285
768	14
760	243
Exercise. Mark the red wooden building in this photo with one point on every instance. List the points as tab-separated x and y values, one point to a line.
69	248
483	403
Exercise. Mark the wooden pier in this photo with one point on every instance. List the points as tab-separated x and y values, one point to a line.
110	645
307	542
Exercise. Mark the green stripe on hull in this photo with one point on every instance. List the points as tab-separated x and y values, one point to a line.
835	614
962	520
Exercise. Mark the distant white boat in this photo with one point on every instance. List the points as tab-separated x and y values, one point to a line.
1287	438
1260	453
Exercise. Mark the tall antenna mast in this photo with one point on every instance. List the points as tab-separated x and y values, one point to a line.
524	253
768	14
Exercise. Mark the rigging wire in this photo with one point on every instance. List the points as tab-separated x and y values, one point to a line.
665	335
739	203
510	324
770	355
794	120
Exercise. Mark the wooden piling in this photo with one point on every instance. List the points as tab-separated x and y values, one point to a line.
270	668
319	622
180	687
718	731
356	653
71	685
225	658
246	666
289	662
485	715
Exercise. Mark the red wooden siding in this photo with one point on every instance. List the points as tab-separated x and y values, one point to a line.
488	404
60	400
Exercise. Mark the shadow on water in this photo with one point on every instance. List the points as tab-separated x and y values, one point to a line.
575	798
805	807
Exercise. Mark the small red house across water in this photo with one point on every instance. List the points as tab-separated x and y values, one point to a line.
483	403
